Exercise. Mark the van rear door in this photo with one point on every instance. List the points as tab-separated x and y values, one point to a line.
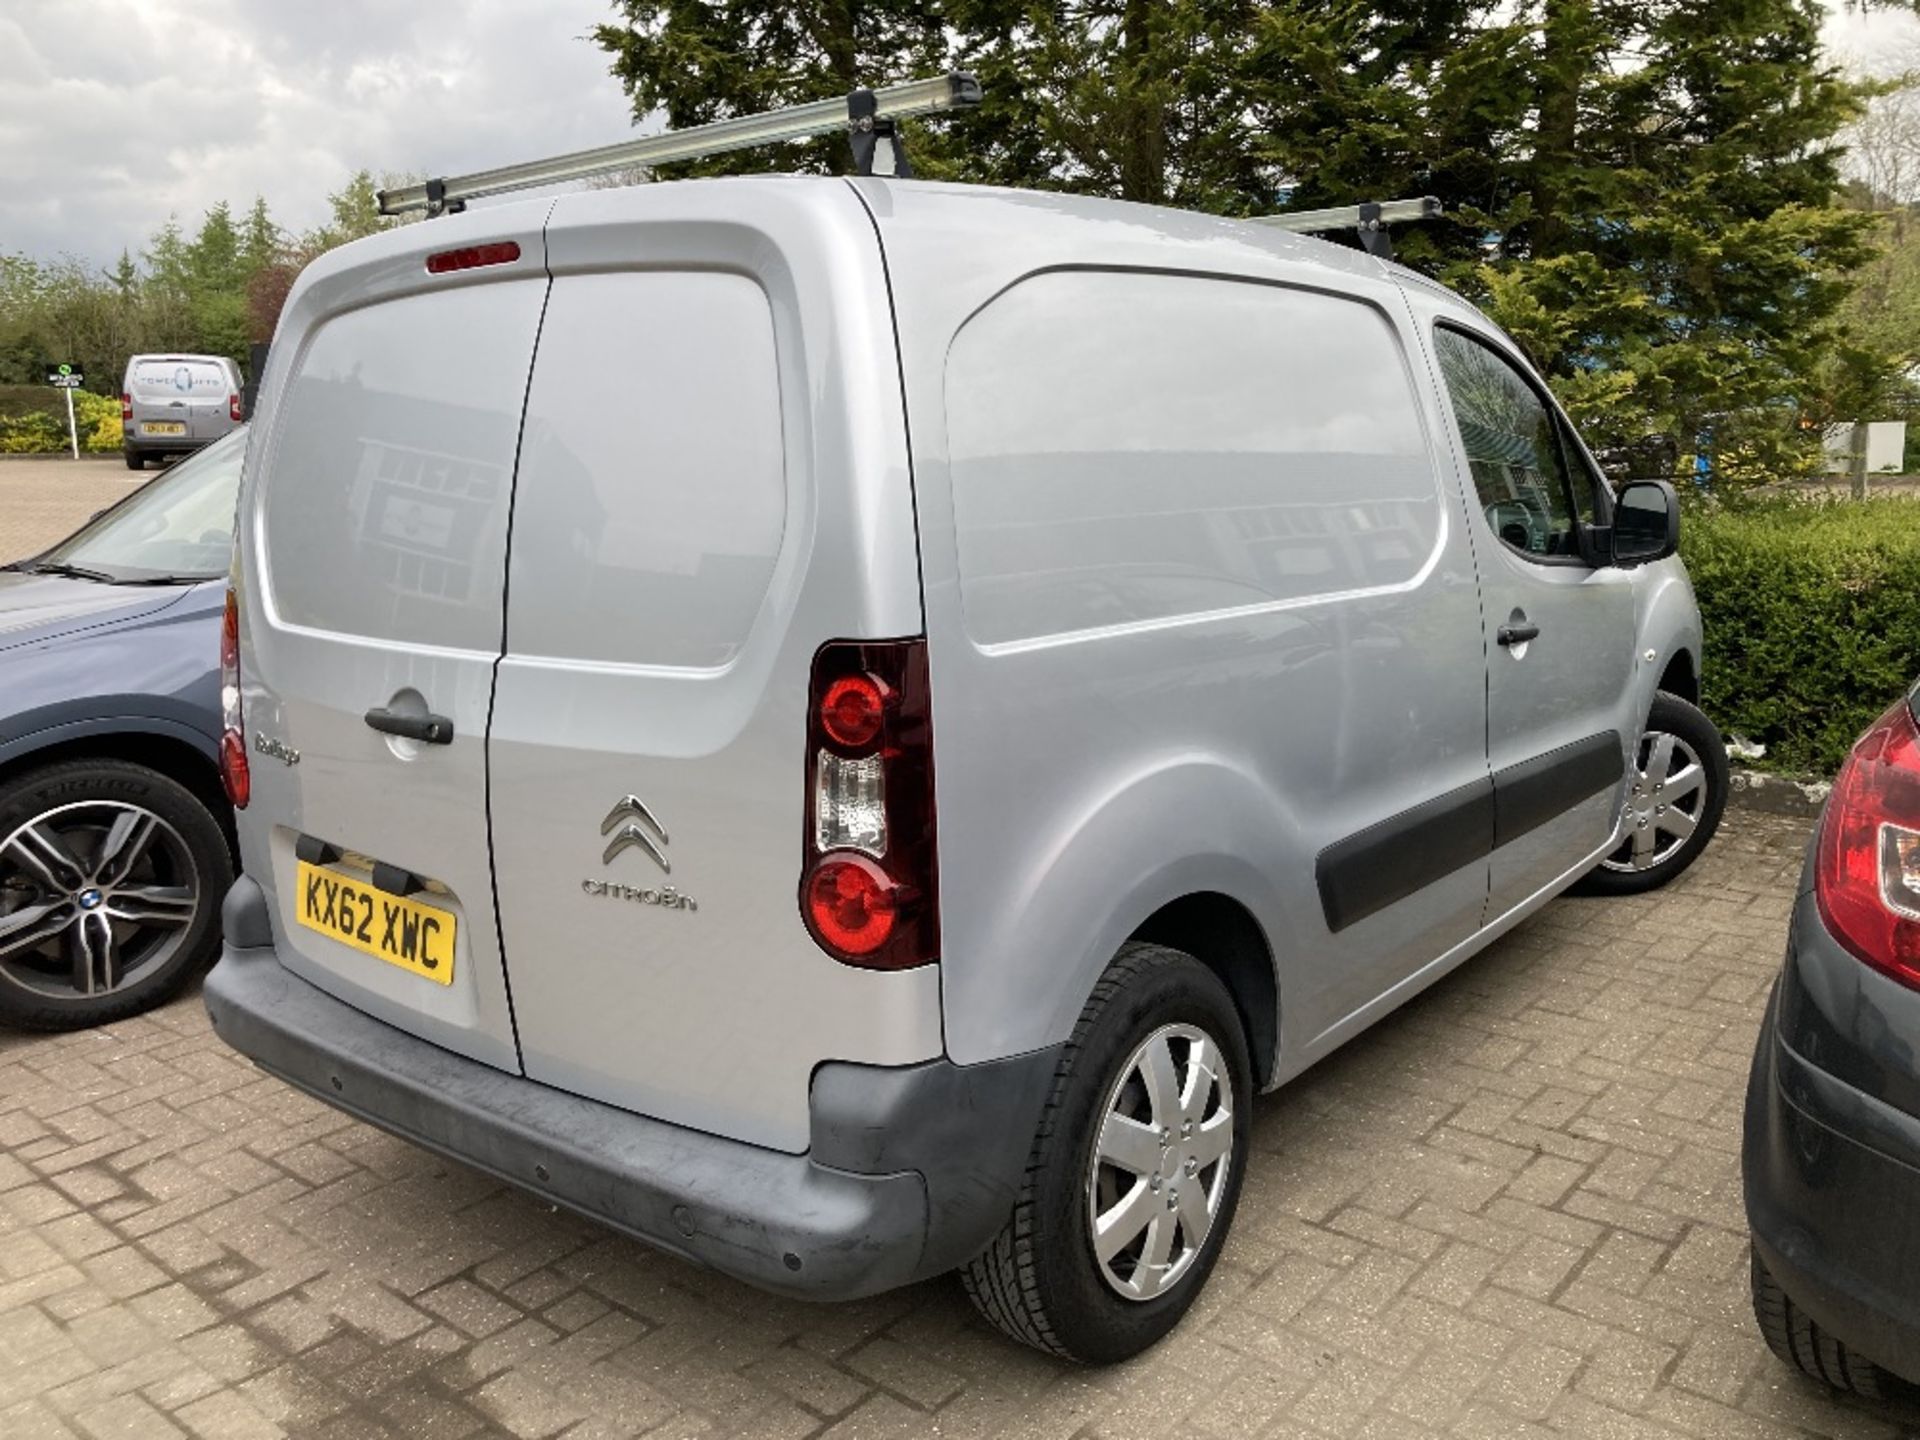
713	483
374	543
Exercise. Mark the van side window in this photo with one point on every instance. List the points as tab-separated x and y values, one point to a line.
1134	447
1512	446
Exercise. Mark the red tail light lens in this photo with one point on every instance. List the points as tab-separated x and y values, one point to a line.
853	904
851	711
233	408
472	257
126	407
870	888
1867	874
234	774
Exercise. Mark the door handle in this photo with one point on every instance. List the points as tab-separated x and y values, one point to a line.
431	729
1518	634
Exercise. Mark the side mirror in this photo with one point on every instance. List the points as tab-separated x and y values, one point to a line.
1646	522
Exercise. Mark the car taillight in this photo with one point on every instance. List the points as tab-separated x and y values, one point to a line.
126	407
233	408
234	774
1867	874
870	887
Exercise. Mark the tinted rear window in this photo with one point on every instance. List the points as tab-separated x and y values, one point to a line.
386	487
195	379
652	493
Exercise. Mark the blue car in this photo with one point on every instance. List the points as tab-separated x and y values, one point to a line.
116	841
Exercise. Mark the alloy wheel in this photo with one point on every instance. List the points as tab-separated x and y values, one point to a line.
1666	794
94	897
1161	1161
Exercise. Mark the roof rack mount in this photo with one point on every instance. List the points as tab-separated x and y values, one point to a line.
866	114
1370	220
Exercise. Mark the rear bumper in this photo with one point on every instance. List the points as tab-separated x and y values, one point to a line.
1832	1170
911	1172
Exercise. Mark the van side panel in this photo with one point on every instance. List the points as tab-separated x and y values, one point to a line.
1199	607
713	484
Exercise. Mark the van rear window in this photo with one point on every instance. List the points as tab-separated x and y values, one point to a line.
652	493
390	468
1135	447
175	378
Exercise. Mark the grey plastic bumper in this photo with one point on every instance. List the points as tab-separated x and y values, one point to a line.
933	1153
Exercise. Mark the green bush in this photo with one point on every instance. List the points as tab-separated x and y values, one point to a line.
35	433
1812	616
41	427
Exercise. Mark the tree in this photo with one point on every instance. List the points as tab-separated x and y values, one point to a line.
1641	190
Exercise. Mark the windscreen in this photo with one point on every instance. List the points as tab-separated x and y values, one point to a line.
179	527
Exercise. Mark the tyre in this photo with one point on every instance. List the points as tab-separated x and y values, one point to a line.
1792	1335
1676	792
111	878
135	461
1135	1171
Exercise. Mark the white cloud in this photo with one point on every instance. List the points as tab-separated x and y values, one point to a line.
116	113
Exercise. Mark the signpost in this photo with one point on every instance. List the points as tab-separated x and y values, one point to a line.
68	378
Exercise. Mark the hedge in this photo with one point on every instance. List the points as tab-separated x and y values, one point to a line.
43	431
1812	616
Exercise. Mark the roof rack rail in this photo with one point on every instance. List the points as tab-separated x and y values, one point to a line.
1371	219
867	115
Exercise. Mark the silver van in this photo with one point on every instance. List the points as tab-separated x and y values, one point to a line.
172	404
846	728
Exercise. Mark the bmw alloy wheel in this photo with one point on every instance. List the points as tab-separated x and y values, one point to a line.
94	897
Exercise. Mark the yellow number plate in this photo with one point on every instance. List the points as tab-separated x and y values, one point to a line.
163	427
400	931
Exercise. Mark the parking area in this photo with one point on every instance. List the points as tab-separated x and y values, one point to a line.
1511	1210
44	498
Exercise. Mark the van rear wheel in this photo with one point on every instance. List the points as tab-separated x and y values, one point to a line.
135	460
1135	1172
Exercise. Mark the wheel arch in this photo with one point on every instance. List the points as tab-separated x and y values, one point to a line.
180	756
1682	677
1223	935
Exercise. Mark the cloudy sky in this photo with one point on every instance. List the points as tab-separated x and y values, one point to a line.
116	113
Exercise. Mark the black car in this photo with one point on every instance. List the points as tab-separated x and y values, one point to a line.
1832	1136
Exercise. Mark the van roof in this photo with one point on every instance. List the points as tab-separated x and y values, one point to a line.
1014	217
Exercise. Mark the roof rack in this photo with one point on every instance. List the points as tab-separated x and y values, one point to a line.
1371	219
867	115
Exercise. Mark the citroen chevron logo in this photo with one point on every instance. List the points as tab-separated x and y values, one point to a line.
628	835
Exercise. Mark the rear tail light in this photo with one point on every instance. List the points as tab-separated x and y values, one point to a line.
870	891
233	408
126	407
1867	874
234	774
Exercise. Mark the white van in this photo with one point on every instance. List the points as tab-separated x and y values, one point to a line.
846	728
174	404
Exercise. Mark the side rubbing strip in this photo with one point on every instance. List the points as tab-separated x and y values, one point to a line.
1404	853
1528	795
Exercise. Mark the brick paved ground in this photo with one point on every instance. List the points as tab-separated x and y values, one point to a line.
42	500
1512	1210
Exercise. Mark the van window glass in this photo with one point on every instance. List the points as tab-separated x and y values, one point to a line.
652	489
1512	446
386	484
182	379
1134	447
